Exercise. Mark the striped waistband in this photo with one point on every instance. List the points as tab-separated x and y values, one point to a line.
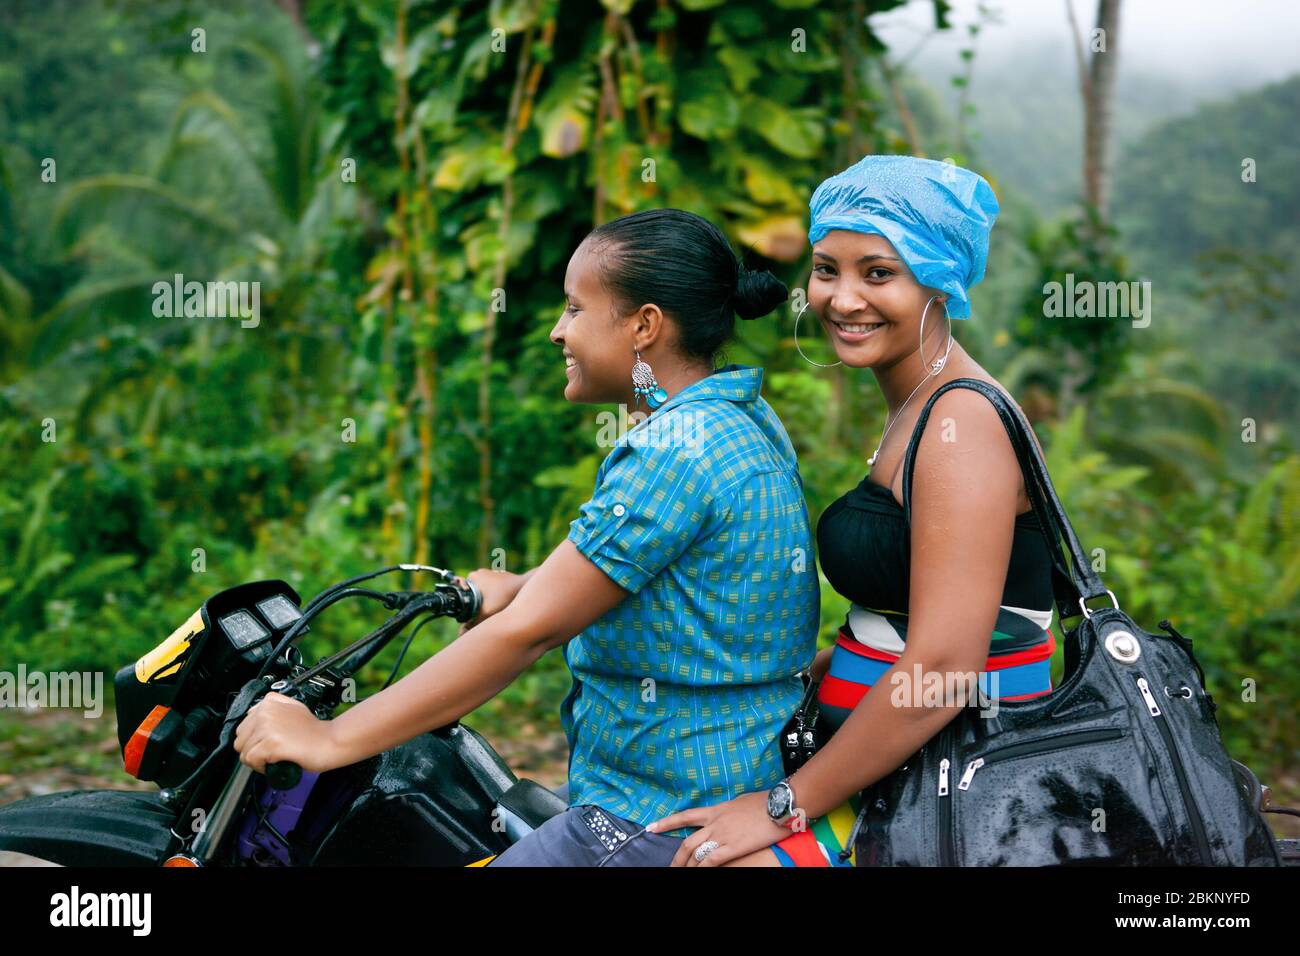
1015	629
854	669
994	661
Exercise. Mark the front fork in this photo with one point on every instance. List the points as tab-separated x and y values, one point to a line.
222	816
226	808
215	825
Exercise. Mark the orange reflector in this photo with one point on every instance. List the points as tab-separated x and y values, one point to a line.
180	860
134	752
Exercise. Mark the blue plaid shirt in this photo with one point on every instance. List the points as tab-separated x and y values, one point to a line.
680	691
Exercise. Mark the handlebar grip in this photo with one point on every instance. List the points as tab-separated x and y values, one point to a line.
473	604
283	774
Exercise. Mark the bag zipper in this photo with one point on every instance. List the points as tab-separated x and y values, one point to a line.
944	807
1193	814
1041	745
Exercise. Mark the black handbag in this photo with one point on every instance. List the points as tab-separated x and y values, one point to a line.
1121	764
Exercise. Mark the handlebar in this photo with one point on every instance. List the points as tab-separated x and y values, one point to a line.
447	600
283	775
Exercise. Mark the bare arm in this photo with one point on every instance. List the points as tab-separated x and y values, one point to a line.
498	589
964	499
560	598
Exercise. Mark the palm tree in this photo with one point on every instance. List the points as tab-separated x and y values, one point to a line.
232	196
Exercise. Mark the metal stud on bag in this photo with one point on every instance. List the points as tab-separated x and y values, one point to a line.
1123	646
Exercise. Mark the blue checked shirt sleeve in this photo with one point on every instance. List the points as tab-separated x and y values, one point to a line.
649	505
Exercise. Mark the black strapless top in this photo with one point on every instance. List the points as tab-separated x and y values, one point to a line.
865	552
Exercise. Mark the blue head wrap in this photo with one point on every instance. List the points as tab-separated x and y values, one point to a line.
937	216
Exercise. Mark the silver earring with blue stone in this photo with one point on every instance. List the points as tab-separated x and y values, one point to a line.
644	384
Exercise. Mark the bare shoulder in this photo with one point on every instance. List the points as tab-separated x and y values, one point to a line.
965	450
979	409
989	380
964	410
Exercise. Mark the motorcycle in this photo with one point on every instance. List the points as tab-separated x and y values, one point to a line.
445	798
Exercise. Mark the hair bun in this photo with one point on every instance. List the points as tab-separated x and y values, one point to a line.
758	293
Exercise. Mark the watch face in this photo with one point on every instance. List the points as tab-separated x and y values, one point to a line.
778	801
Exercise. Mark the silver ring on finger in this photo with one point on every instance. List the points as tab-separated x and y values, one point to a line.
704	849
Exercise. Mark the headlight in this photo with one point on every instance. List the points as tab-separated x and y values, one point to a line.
280	611
243	629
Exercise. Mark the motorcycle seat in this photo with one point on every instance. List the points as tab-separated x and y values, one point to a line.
525	806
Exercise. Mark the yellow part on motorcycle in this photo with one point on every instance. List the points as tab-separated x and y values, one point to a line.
164	660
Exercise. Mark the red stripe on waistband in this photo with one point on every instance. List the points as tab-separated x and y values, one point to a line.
847	641
1030	655
1037	693
837	692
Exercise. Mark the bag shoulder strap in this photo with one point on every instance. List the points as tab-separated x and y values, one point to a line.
1071	585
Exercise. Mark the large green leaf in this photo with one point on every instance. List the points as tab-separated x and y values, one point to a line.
795	131
707	107
563	115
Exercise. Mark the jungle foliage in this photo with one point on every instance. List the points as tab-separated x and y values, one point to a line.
406	181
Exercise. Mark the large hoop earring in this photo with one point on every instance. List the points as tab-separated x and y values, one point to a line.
796	342
937	365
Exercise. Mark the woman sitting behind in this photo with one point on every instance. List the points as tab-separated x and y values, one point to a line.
966	591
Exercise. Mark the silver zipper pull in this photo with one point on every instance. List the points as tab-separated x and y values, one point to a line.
969	775
1146	695
943	777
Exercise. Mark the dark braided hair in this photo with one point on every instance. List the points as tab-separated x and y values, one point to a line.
682	263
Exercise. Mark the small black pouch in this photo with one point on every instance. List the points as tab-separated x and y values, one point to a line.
799	737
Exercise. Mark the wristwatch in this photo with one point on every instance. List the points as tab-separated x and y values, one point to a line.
780	803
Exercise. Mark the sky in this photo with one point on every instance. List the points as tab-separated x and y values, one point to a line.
1174	56
1236	44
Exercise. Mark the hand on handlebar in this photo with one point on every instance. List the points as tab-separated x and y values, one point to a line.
279	728
498	589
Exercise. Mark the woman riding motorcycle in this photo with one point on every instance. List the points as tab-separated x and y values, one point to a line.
685	595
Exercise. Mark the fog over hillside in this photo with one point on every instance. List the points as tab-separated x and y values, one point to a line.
1174	55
